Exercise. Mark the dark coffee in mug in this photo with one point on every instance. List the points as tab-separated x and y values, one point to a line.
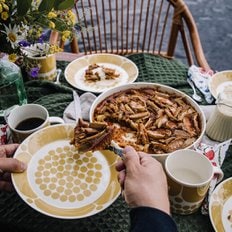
29	124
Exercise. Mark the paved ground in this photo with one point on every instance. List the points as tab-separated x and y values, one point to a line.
214	21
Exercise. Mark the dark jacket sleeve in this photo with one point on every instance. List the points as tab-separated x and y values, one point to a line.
151	220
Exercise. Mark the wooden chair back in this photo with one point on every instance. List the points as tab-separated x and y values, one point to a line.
163	27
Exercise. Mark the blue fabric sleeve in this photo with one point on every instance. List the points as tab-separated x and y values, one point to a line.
147	219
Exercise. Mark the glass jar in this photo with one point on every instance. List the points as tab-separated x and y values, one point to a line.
12	90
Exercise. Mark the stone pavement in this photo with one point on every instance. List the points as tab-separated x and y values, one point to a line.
214	22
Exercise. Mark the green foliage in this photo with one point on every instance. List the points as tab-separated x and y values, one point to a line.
63	4
46	5
23	6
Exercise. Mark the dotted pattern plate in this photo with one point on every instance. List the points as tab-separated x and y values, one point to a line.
59	181
220	206
75	72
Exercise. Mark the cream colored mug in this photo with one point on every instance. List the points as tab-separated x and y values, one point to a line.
26	119
189	174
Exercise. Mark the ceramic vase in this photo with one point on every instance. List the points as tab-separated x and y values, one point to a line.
40	65
46	65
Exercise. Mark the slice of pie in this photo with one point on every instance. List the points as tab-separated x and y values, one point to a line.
91	136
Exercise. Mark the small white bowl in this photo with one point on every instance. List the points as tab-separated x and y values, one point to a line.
164	88
219	82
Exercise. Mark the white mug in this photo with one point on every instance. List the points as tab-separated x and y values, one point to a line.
26	119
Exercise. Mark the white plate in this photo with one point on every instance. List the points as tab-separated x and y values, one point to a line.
75	71
60	182
220	206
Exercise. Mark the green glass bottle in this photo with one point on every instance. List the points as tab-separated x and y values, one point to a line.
12	90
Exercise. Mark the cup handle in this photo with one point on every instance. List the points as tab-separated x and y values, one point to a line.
218	173
56	120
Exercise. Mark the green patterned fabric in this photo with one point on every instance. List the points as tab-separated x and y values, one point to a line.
160	70
163	71
19	216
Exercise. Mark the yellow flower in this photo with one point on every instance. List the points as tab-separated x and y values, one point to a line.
5	7
4	15
54	49
30	32
52	15
40	29
65	35
12	57
12	37
71	17
60	50
38	34
51	25
0	8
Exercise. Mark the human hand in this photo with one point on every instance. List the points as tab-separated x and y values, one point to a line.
9	165
143	180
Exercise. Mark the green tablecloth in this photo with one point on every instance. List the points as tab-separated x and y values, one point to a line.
18	216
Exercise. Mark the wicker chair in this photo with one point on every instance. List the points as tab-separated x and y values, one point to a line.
162	27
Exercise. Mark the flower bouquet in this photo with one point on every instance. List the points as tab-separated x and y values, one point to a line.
25	26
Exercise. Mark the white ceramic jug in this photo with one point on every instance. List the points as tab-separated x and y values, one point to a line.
219	125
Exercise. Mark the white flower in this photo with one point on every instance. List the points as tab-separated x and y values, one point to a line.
14	34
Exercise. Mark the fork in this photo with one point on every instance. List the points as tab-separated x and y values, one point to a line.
114	147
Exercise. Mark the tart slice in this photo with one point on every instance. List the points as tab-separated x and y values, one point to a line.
92	136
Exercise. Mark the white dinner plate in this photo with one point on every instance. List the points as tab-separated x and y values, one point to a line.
220	206
59	181
75	72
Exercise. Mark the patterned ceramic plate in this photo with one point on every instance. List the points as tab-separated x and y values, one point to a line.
220	81
220	206
75	72
59	181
